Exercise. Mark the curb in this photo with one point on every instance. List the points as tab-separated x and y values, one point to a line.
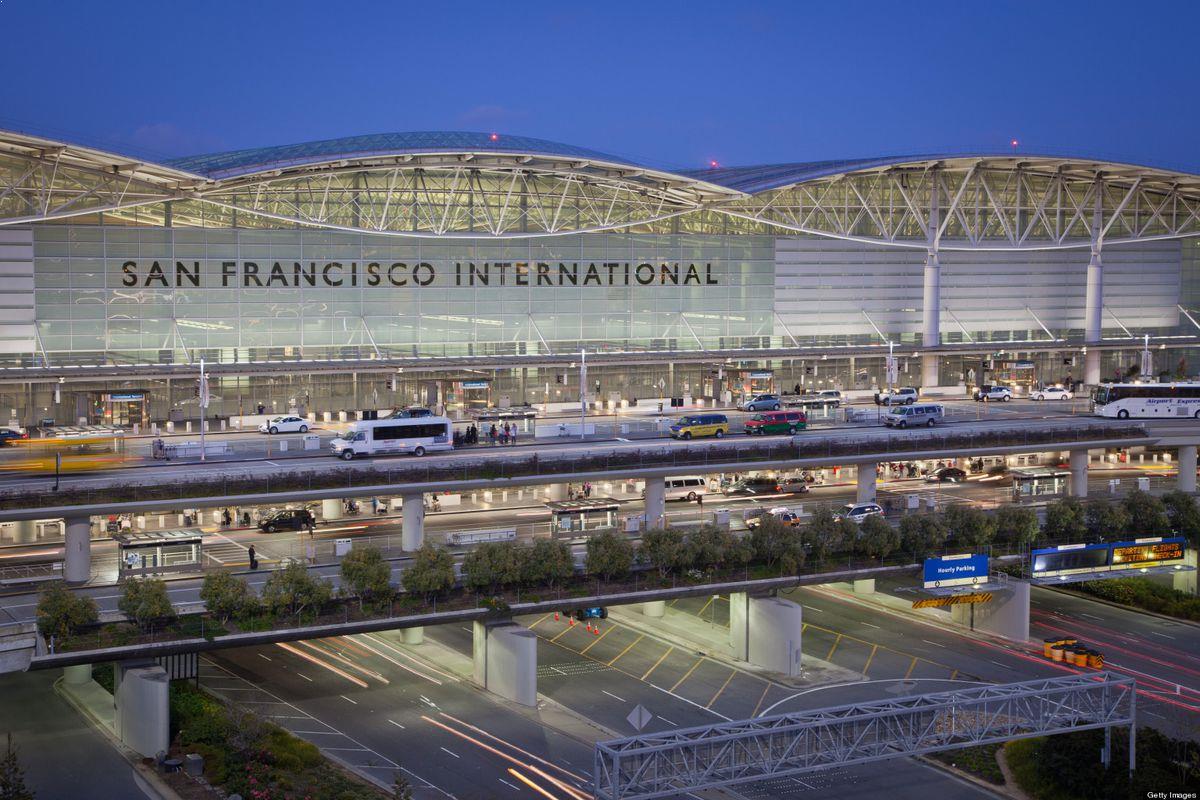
974	780
1122	606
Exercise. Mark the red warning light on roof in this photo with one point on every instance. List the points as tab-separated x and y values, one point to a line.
494	137
713	163
1014	143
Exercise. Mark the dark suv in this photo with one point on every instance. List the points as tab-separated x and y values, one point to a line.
289	519
753	486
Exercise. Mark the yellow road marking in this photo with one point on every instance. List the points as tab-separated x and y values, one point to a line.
700	613
564	631
911	667
687	674
627	649
836	642
953	674
596	641
660	660
867	666
732	672
540	621
758	705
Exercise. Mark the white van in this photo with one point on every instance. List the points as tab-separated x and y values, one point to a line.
416	435
687	487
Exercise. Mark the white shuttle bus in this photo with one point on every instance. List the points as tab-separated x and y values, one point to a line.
415	435
1147	400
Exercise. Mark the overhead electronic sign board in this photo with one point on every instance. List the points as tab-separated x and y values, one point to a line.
1076	559
965	569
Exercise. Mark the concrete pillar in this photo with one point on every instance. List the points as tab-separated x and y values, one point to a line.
864	586
1093	310
412	635
77	675
77	550
1006	615
142	707
505	656
929	370
332	509
1079	467
766	632
1187	468
556	491
25	531
931	308
656	502
655	608
866	482
413	534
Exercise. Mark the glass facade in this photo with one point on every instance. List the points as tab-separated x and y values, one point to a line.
146	294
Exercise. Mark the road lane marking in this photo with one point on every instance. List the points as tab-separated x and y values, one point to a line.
451	752
660	660
869	625
1163	635
867	666
627	649
302	675
836	642
542	619
911	667
596	641
999	663
687	674
397	724
935	644
264	658
758	705
348	700
669	722
563	633
509	785
613	696
732	672
1090	616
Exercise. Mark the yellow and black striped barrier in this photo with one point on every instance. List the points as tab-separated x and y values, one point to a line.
953	600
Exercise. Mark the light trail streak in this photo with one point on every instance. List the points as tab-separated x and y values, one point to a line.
322	664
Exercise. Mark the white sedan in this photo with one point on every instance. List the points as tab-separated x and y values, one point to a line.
284	425
1053	393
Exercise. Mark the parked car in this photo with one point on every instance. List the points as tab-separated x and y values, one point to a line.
686	487
289	519
498	414
284	425
947	475
782	513
827	398
904	396
987	393
776	422
762	402
9	435
752	486
795	484
411	413
912	416
860	511
696	425
1053	393
593	612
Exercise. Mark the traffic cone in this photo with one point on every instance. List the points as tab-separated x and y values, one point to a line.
556	616
571	621
596	630
589	627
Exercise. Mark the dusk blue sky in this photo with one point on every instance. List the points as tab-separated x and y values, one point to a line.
672	83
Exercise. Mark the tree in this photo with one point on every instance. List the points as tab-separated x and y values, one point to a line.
366	574
144	601
922	535
292	590
224	595
61	612
822	535
876	538
401	788
1105	519
1065	519
431	572
970	526
707	547
609	555
491	566
1183	514
664	549
1147	514
773	543
1017	525
547	563
12	776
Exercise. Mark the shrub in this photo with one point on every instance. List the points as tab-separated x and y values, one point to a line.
1147	514
921	535
1105	519
823	534
609	555
876	538
492	565
61	612
707	547
1065	519
145	602
1146	594
1017	526
224	595
293	590
366	574
547	563
774	543
1184	515
664	549
431	572
970	527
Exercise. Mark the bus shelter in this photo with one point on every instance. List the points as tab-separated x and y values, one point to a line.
588	514
1030	482
158	552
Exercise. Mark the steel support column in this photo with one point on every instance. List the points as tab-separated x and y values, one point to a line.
1094	298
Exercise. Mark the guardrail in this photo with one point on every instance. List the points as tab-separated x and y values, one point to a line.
547	464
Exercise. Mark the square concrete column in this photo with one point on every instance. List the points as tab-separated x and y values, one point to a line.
77	551
505	656
654	608
1006	615
656	502
1079	473
1187	468
413	531
332	509
866	482
864	586
766	632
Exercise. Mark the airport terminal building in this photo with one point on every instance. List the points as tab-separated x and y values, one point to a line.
472	268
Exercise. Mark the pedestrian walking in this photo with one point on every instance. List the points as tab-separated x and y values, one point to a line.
253	558
492	434
512	435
